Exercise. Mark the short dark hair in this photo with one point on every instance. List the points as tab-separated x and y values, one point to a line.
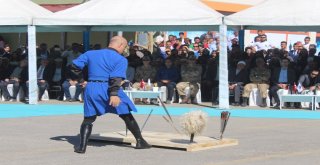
196	38
307	37
181	33
284	42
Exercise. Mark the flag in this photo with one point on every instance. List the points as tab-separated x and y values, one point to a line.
299	88
294	88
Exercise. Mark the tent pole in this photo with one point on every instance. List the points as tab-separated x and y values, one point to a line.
223	69
86	40
32	65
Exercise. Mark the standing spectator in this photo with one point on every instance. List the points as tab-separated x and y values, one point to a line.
168	76
283	46
294	53
260	78
55	52
181	38
306	43
15	80
210	82
7	51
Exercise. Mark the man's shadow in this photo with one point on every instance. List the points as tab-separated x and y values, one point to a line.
74	140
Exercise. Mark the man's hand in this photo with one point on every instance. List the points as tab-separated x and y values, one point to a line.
282	86
84	84
114	101
6	80
312	88
42	81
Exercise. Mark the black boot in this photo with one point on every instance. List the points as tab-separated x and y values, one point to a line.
244	102
264	102
85	132
194	100
135	130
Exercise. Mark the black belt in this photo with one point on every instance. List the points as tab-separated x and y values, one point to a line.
100	81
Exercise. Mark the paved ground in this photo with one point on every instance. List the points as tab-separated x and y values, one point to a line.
50	140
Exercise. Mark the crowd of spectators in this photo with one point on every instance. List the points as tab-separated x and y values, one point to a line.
177	63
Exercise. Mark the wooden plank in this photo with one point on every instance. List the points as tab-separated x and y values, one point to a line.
168	140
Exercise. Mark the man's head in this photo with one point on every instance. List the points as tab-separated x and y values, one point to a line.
257	39
260	32
241	65
168	44
314	73
146	60
196	39
295	46
181	34
196	46
118	43
263	37
299	45
43	47
283	45
307	40
75	47
168	63
7	48
260	62
285	63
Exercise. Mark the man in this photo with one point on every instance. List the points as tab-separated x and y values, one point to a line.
106	70
294	53
72	54
168	76
281	78
237	79
283	46
145	73
310	81
73	78
190	77
259	77
43	52
15	80
44	74
181	38
263	44
306	43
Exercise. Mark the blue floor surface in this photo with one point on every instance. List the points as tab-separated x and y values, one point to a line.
22	110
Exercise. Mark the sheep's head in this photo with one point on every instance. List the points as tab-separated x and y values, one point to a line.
194	122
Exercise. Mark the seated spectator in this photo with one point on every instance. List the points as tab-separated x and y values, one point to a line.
190	77
15	80
44	74
310	81
73	78
144	73
259	77
58	76
168	76
237	79
281	78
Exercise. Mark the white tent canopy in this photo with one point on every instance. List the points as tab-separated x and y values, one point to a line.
279	15
129	15
17	13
